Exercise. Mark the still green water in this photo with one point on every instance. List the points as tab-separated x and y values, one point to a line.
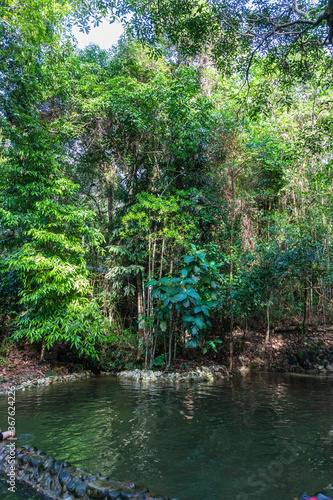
259	437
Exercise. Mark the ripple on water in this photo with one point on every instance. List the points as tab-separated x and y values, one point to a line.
264	435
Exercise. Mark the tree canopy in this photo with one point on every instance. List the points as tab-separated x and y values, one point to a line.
148	198
235	32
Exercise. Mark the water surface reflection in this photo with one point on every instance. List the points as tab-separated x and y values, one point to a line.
255	437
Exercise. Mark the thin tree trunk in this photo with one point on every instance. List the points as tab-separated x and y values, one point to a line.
148	331
268	319
162	253
231	335
306	306
154	253
245	330
170	341
323	300
171	264
175	336
154	350
170	350
110	204
42	353
141	331
311	300
151	306
231	346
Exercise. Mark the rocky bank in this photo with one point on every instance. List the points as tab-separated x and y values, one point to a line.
61	480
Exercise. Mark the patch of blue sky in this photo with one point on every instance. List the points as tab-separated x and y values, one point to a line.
105	35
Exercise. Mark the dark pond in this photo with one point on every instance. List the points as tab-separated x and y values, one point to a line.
257	437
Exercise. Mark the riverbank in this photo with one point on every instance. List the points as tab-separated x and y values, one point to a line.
59	479
22	370
288	350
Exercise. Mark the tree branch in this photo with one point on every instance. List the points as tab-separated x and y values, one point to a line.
299	11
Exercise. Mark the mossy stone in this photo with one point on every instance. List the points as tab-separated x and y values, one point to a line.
99	489
153	496
138	492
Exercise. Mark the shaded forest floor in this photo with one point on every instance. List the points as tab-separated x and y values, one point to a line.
289	350
22	364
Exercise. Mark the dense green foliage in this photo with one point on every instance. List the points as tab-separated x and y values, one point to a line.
153	197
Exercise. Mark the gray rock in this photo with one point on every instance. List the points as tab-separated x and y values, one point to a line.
64	477
137	492
48	463
113	494
45	482
99	489
22	459
153	496
73	484
36	460
80	490
126	484
57	467
52	485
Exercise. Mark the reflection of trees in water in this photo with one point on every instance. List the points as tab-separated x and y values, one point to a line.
195	433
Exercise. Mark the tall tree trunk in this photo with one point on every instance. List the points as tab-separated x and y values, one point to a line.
162	252
268	318
42	353
231	345
109	178
110	204
154	251
171	264
141	331
231	335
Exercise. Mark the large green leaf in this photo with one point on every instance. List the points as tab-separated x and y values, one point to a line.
188	259
200	324
192	343
165	280
180	297
192	293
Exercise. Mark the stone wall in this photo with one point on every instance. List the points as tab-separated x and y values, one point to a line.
60	480
49	380
200	374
